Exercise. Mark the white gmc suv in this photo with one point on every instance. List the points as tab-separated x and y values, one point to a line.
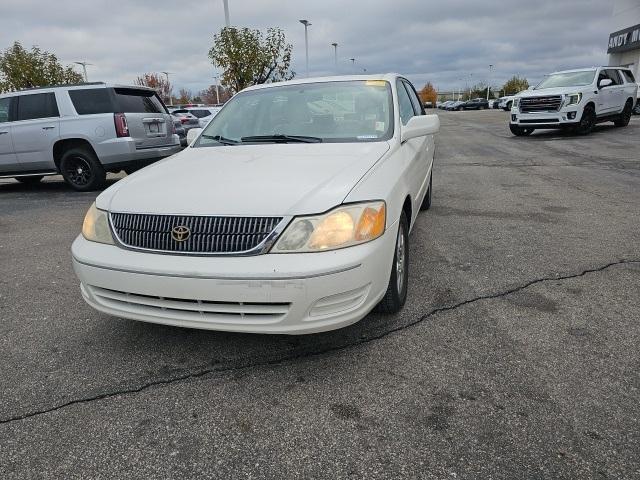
577	100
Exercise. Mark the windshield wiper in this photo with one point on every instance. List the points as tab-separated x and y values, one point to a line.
221	139
278	137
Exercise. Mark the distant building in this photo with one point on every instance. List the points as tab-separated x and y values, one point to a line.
624	40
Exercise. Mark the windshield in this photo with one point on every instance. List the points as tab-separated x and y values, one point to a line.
349	111
568	79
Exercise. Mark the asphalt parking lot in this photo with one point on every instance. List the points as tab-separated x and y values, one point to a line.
516	356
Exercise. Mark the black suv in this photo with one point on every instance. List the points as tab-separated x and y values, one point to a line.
475	104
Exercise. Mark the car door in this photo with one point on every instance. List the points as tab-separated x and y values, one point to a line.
417	149
35	130
617	90
8	158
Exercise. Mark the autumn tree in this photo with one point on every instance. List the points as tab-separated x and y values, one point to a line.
184	96
209	95
158	82
21	68
428	94
248	57
514	85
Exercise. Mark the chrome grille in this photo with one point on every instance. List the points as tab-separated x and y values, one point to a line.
549	103
208	235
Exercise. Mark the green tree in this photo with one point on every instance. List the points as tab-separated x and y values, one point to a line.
21	68
514	85
248	57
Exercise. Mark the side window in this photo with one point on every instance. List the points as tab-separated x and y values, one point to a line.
91	100
37	105
415	100
404	103
5	104
629	76
615	76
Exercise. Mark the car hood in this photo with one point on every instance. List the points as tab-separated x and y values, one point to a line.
551	91
260	180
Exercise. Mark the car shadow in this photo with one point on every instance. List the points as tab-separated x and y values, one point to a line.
565	134
54	184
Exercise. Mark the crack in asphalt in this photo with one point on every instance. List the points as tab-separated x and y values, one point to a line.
207	371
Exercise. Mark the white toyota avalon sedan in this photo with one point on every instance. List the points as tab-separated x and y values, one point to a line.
289	213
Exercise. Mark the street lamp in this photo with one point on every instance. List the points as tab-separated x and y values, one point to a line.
306	41
489	81
226	13
335	54
166	75
216	77
84	69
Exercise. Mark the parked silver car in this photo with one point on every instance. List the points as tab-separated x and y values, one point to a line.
82	132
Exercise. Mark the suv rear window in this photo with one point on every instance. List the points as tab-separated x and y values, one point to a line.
199	113
628	75
37	105
91	100
132	100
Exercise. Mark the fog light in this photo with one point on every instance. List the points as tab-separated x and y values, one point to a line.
571	115
514	118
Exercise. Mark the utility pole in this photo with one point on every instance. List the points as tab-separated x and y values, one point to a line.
489	81
353	63
217	92
335	54
227	22
166	76
84	69
306	41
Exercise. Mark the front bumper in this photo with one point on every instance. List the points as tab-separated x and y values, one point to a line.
272	293
564	118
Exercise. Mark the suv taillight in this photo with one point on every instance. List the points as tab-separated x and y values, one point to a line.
122	129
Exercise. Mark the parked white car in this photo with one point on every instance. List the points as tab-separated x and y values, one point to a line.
203	114
576	99
290	213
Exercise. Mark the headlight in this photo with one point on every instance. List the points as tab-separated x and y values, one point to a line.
572	99
96	226
341	227
516	103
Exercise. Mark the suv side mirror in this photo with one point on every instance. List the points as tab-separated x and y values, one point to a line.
419	126
605	82
192	135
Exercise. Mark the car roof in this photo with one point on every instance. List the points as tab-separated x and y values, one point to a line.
75	86
390	77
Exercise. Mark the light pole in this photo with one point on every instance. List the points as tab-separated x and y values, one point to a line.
226	13
166	75
470	83
488	81
353	63
306	41
217	92
335	54
84	69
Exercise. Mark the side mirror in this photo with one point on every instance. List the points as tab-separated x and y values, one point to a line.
192	135
605	82
420	126
531	87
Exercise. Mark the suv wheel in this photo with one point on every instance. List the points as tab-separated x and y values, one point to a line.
396	294
625	116
30	180
82	170
508	106
588	121
520	131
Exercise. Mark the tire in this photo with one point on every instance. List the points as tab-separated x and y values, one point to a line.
587	121
30	180
396	294
82	170
460	109
520	131
426	201
625	116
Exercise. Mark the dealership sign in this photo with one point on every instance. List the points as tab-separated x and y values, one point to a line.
623	40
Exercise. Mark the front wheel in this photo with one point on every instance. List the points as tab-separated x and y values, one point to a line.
587	121
520	131
625	117
396	294
82	170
